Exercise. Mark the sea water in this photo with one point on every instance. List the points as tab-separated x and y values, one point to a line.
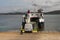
13	22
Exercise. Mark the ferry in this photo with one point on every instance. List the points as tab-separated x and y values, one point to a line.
32	22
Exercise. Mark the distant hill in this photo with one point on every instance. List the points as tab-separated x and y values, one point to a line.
12	13
22	13
53	12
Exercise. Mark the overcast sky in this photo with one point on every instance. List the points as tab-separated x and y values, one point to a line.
23	5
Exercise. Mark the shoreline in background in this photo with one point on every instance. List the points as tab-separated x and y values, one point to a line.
22	13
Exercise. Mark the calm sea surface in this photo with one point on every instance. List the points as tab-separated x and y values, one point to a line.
13	22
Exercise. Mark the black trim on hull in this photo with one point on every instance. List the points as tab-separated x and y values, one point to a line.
28	31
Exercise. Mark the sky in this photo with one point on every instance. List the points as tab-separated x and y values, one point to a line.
24	5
